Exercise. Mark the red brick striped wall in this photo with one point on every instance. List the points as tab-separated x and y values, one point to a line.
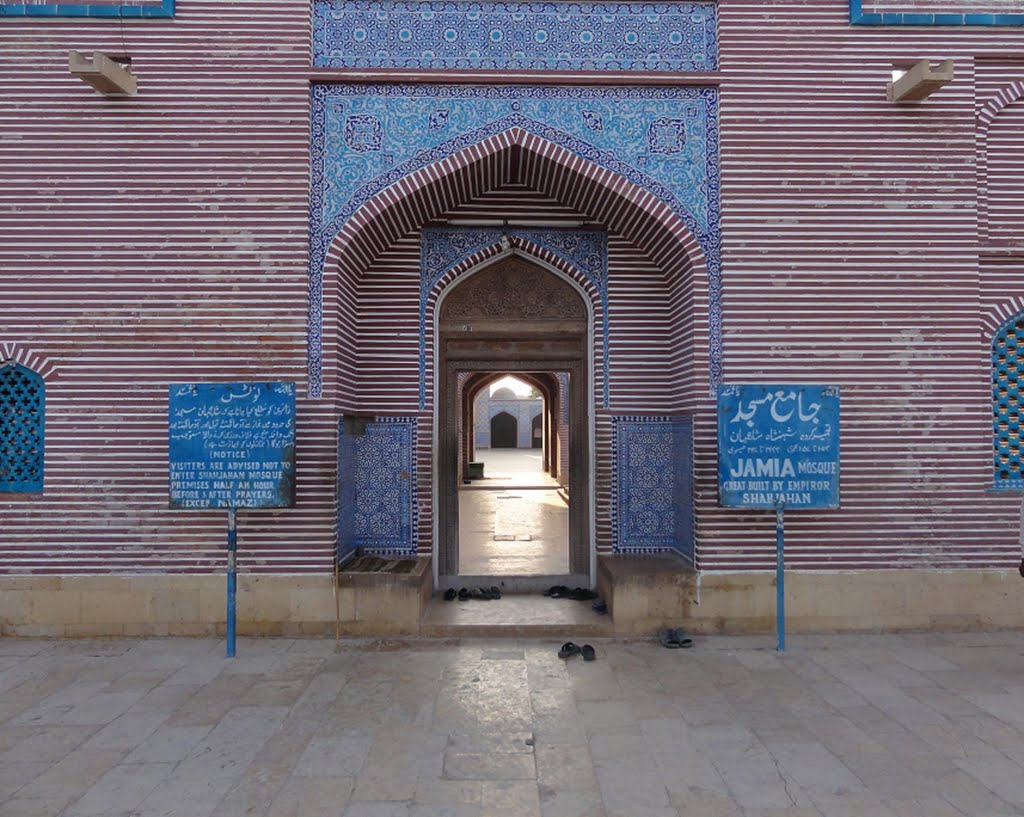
851	257
148	240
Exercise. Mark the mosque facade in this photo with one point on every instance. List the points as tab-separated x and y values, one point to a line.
392	205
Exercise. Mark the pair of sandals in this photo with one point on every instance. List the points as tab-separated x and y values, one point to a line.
480	594
675	639
568	650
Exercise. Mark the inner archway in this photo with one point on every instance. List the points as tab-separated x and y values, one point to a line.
512	315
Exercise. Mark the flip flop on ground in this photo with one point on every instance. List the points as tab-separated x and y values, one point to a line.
568	650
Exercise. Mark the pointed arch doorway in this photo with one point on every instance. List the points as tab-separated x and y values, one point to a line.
514	315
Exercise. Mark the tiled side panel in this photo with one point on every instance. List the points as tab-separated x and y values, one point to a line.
652	503
383	515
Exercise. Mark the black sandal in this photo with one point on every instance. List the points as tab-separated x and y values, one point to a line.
568	650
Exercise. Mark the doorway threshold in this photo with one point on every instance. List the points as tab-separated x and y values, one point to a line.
514	616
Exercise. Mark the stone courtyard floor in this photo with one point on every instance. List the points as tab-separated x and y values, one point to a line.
839	726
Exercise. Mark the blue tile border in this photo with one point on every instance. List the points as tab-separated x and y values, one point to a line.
859	17
162	8
515	35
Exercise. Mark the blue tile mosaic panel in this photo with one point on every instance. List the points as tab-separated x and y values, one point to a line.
520	36
1007	404
376	487
442	248
97	8
367	137
22	429
937	12
652	475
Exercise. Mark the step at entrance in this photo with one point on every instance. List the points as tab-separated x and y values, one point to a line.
514	616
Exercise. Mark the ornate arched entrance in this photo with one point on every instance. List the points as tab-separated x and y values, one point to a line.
398	257
513	315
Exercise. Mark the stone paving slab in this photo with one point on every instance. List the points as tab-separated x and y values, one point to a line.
926	725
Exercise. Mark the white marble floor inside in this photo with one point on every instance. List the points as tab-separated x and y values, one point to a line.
515	521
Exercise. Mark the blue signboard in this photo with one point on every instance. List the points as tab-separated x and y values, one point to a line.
778	446
232	445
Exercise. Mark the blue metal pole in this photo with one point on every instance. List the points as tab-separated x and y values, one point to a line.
232	577
780	582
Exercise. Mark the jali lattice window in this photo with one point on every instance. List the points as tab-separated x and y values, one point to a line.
22	413
1007	371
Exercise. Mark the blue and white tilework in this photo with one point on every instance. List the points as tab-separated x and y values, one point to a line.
652	475
122	9
531	36
376	495
442	248
937	12
366	137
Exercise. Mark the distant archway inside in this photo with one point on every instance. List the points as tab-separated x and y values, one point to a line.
504	431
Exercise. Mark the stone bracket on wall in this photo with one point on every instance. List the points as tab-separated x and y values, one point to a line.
919	81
